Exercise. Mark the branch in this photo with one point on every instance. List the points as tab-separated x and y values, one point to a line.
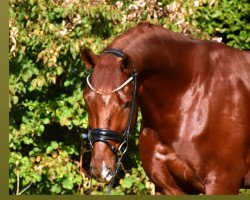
18	185
25	188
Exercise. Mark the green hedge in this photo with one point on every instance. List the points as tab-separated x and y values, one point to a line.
47	113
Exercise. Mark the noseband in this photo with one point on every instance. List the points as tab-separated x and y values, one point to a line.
106	135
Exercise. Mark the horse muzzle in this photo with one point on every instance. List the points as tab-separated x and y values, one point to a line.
103	174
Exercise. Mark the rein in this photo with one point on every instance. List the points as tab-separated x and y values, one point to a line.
103	135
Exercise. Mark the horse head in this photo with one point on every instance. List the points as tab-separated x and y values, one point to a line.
110	96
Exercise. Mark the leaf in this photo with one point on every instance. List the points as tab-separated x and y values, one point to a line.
76	122
64	121
59	71
67	183
37	177
56	189
117	192
31	2
49	149
54	145
41	128
127	183
67	83
141	186
15	99
46	121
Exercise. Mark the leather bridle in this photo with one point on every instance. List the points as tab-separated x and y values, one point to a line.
106	135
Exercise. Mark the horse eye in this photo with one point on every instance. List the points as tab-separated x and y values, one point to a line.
127	105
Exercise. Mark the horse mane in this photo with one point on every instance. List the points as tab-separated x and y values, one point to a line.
144	32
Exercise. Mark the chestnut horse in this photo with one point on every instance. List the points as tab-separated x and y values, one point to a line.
194	97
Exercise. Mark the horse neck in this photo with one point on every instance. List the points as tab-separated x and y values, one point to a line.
171	64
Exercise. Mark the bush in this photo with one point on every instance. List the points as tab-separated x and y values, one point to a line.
226	19
47	113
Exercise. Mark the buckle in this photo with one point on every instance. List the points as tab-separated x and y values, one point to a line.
122	149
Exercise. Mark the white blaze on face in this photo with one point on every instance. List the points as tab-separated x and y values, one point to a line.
106	99
106	173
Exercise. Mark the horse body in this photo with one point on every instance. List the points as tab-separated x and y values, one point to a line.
194	98
204	127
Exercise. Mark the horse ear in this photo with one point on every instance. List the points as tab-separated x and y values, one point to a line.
89	58
126	61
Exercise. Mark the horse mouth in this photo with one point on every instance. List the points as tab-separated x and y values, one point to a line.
104	179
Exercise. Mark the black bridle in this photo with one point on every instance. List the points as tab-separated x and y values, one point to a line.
106	135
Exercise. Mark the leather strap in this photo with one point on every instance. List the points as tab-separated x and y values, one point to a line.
115	52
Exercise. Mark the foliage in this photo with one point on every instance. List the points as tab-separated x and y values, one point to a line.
227	19
244	191
47	113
